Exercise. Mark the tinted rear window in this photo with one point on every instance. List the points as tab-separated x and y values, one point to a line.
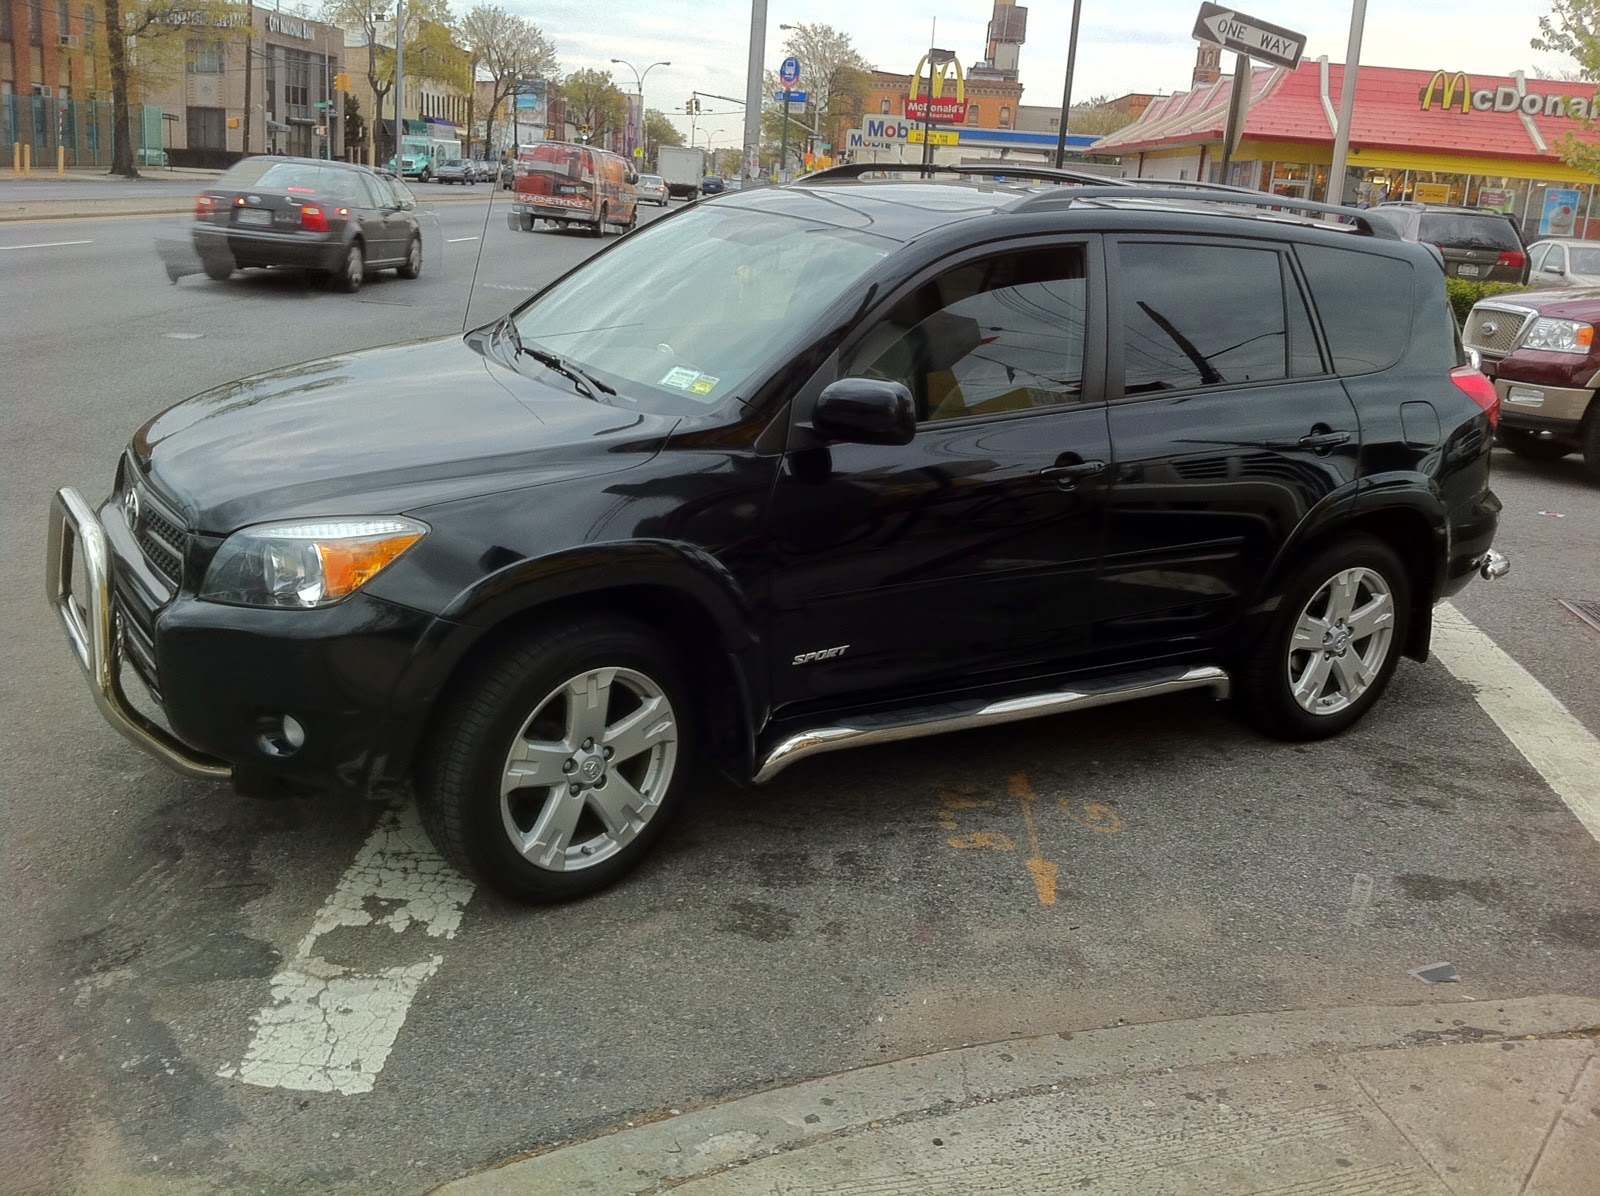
298	176
1366	304
1456	230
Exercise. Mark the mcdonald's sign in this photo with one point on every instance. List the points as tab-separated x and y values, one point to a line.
1446	88
946	109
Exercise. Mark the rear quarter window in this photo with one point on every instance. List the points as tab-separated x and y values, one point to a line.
1366	302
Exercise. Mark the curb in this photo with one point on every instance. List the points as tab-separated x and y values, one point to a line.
848	1107
101	209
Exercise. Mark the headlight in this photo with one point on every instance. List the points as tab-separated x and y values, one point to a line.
306	564
1559	336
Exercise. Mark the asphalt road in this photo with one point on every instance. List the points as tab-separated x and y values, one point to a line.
863	907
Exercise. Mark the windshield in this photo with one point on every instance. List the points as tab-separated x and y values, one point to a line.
683	313
1458	230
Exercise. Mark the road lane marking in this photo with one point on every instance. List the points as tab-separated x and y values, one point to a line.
458	240
1561	748
330	1028
46	245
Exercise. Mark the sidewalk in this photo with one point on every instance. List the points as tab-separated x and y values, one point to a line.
1440	1099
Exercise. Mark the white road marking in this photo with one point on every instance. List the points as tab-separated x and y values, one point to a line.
1566	755
1355	914
329	1027
505	286
46	245
458	240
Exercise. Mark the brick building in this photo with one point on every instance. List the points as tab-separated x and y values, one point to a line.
47	48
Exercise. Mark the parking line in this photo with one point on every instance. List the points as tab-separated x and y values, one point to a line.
1561	748
46	245
329	1028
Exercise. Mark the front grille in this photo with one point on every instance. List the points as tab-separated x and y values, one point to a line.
161	541
138	648
1492	330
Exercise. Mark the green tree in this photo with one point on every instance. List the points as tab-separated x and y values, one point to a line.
355	127
1572	27
594	103
161	30
658	131
834	76
430	50
506	48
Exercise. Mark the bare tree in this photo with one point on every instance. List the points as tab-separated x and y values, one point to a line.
508	49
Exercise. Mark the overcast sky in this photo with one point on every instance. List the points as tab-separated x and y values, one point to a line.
1123	46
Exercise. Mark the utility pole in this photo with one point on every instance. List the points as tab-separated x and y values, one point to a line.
750	166
1066	86
927	100
399	84
1347	103
249	59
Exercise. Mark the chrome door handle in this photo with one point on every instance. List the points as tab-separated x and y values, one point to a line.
1066	476
1322	441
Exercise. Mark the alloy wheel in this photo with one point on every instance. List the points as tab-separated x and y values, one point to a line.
1341	641
588	769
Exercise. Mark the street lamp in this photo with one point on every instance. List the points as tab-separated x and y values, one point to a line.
638	80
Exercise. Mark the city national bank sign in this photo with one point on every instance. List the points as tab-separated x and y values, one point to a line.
1456	91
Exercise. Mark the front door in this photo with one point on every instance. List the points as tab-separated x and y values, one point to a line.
971	552
1227	428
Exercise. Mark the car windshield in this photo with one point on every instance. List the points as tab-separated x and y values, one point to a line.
683	313
1584	260
1459	230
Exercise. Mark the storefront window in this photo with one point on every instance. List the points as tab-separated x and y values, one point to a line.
1290	179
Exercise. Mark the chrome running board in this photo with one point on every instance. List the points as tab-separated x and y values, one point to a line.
966	716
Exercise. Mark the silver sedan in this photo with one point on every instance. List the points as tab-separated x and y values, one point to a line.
1554	264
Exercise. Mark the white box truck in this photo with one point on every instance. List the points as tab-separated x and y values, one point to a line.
682	169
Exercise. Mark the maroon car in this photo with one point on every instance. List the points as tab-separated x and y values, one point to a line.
1540	350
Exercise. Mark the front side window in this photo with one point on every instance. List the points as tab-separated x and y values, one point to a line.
1200	315
1002	334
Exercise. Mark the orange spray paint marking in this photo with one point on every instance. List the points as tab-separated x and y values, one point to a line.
1095	817
1044	873
984	839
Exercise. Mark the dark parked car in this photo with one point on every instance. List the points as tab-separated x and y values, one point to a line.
455	170
1540	349
336	218
808	468
1477	245
712	185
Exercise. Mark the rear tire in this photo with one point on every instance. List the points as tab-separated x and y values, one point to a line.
413	263
216	271
1314	673
536	780
600	224
353	273
1531	447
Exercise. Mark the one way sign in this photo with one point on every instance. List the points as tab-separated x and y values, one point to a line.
1257	39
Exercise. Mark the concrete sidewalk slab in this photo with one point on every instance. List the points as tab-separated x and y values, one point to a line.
1451	1099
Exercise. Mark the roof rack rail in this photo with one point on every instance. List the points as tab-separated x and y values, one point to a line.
1044	174
1358	218
1195	184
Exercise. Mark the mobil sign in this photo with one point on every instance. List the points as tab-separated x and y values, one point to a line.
885	129
945	99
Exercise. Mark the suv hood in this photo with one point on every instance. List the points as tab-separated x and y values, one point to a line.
1566	303
385	430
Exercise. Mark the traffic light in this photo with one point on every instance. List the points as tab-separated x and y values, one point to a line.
688	107
341	82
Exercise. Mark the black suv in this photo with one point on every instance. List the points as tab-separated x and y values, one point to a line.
1477	245
811	467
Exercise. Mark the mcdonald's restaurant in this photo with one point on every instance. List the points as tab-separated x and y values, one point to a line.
1441	137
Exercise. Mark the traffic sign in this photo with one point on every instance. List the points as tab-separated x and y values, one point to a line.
795	97
1251	36
789	72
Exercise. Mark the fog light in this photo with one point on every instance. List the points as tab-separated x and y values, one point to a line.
281	737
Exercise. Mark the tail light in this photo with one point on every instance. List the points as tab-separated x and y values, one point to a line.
1480	390
313	219
1514	258
204	205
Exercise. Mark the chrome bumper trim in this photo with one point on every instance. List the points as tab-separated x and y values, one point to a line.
75	529
1494	565
1009	710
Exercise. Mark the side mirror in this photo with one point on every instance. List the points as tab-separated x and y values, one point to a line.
865	411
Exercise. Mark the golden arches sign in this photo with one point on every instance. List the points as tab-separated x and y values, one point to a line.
947	109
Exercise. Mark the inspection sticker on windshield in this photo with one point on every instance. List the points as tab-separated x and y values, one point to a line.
704	385
681	378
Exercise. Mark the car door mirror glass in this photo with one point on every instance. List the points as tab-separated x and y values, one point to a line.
865	411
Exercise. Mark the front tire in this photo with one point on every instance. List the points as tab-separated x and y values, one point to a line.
1531	447
560	761
1591	442
1332	645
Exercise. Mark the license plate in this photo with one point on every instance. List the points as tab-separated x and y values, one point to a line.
1468	271
252	216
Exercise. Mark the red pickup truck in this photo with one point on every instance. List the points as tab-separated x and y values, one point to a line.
1541	351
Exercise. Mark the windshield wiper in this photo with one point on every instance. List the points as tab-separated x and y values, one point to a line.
586	383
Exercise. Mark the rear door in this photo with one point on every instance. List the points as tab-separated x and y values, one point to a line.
1227	431
1476	246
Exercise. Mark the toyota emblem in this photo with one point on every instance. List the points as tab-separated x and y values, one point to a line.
130	506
